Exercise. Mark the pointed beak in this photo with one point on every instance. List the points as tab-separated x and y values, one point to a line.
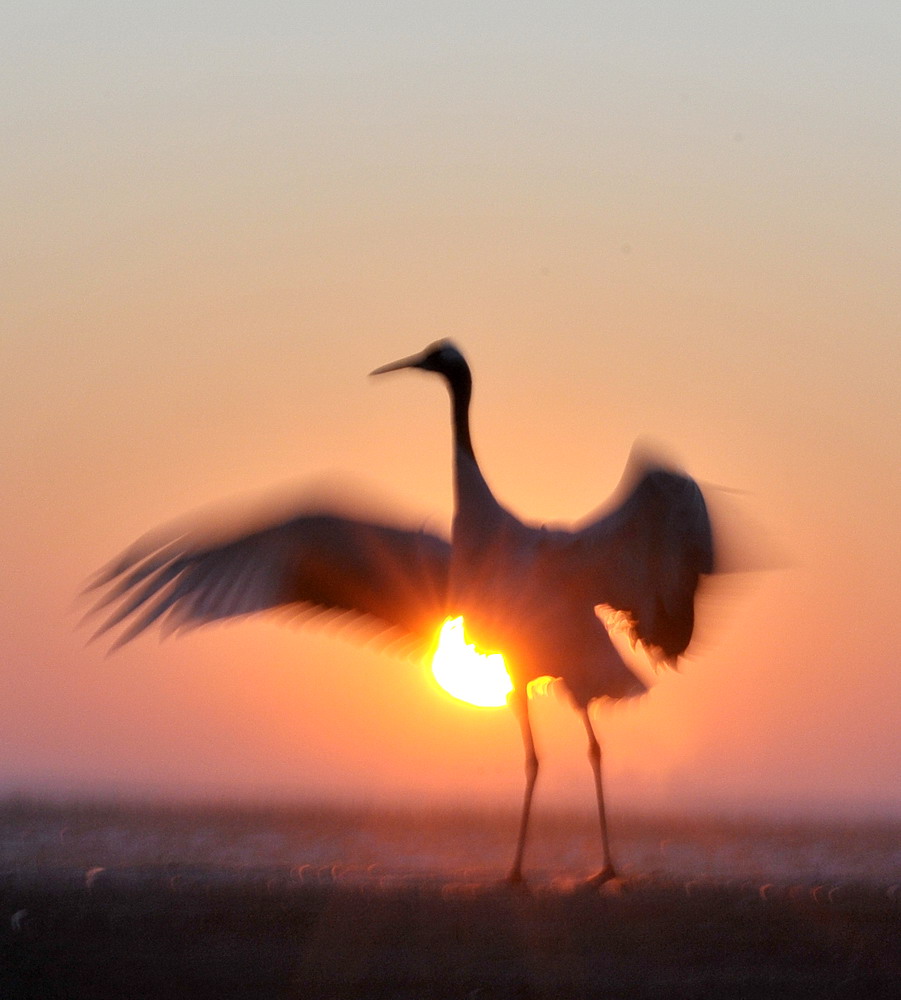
413	361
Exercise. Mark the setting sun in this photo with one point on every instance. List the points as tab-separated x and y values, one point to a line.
478	678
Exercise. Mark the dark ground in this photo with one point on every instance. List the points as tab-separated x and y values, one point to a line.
154	921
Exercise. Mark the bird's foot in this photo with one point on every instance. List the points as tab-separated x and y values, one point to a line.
606	874
515	881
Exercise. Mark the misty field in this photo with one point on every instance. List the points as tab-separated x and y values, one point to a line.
130	901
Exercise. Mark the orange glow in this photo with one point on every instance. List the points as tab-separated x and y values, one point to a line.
189	330
539	686
460	669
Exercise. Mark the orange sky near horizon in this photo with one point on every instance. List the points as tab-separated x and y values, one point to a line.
678	223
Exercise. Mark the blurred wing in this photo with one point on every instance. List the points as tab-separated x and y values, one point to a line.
644	558
315	562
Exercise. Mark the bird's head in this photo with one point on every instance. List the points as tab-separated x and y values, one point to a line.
442	357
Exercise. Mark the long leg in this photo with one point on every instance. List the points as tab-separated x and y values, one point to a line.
594	756
519	702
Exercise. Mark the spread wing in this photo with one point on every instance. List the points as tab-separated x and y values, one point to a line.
314	562
645	558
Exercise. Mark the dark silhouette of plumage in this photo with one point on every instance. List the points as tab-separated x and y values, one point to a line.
529	592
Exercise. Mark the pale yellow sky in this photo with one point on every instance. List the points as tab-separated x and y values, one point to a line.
678	222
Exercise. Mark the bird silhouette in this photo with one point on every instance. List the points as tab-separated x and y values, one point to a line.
530	592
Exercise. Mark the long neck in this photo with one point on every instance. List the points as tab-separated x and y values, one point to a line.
460	384
477	511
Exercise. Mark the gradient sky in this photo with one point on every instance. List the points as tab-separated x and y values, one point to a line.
674	219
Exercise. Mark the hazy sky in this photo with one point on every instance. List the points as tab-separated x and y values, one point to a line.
675	219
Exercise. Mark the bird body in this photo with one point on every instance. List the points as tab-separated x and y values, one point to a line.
516	594
527	591
531	591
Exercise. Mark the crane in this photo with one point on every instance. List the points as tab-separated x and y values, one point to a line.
530	592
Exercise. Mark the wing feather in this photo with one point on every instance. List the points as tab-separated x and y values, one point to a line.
645	558
314	561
